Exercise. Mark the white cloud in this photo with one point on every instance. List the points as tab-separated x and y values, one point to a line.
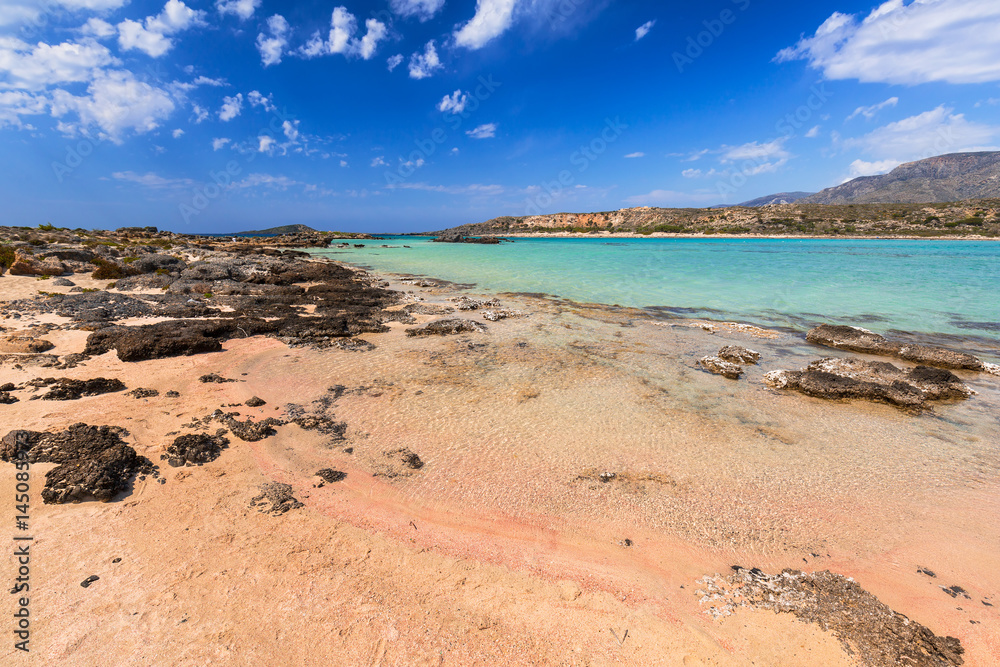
115	103
151	36
151	180
244	9
753	150
872	111
862	168
343	163
423	65
341	39
14	104
205	81
33	67
487	131
931	133
380	162
421	9
291	130
257	100
636	154
492	19
266	143
95	27
691	173
473	189
271	47
644	29
231	107
813	132
917	42
178	133
394	61
218	144
454	103
20	12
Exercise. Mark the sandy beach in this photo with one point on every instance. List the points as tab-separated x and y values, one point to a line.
565	486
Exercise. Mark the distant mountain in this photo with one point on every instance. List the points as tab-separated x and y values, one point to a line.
945	178
274	231
779	198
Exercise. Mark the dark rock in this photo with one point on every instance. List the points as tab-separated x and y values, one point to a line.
721	367
250	431
144	281
172	394
214	378
330	476
194	449
65	389
956	591
459	238
739	355
143	393
255	402
7	399
867	628
278	495
94	461
446	327
63	282
89	580
856	339
871	380
10	386
408	458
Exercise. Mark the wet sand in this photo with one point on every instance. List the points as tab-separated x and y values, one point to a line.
508	545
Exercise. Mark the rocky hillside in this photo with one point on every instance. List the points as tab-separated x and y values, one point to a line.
967	218
778	198
945	178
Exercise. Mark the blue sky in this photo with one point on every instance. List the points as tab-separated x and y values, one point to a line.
407	115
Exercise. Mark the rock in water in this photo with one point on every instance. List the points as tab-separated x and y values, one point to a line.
871	380
721	367
447	327
856	339
739	355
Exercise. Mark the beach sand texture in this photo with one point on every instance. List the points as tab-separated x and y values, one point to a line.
581	475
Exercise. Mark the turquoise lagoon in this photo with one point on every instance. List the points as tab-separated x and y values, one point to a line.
925	288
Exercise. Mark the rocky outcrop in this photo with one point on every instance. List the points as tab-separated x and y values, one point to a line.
871	380
461	238
447	327
739	355
856	339
65	389
194	449
721	367
94	461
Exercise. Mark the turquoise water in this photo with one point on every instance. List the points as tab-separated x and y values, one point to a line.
949	288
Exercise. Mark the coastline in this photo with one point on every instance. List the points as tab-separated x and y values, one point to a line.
505	542
778	237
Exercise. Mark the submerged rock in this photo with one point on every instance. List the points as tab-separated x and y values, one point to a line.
871	380
856	339
447	327
94	461
739	355
721	367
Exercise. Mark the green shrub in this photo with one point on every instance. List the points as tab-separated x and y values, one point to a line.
6	256
36	242
129	260
47	227
106	270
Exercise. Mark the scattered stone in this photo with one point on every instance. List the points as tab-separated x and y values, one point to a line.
194	449
116	560
400	463
7	399
248	431
721	367
924	570
89	580
214	377
63	282
65	389
280	497
94	461
501	314
329	476
856	339
880	381
172	394
867	628
447	327
353	345
739	355
955	591
428	309
255	402
465	303
143	393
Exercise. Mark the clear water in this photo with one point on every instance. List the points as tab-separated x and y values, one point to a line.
938	288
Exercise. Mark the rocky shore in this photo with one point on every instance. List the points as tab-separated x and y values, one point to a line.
243	382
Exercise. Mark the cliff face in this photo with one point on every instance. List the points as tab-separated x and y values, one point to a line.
944	178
